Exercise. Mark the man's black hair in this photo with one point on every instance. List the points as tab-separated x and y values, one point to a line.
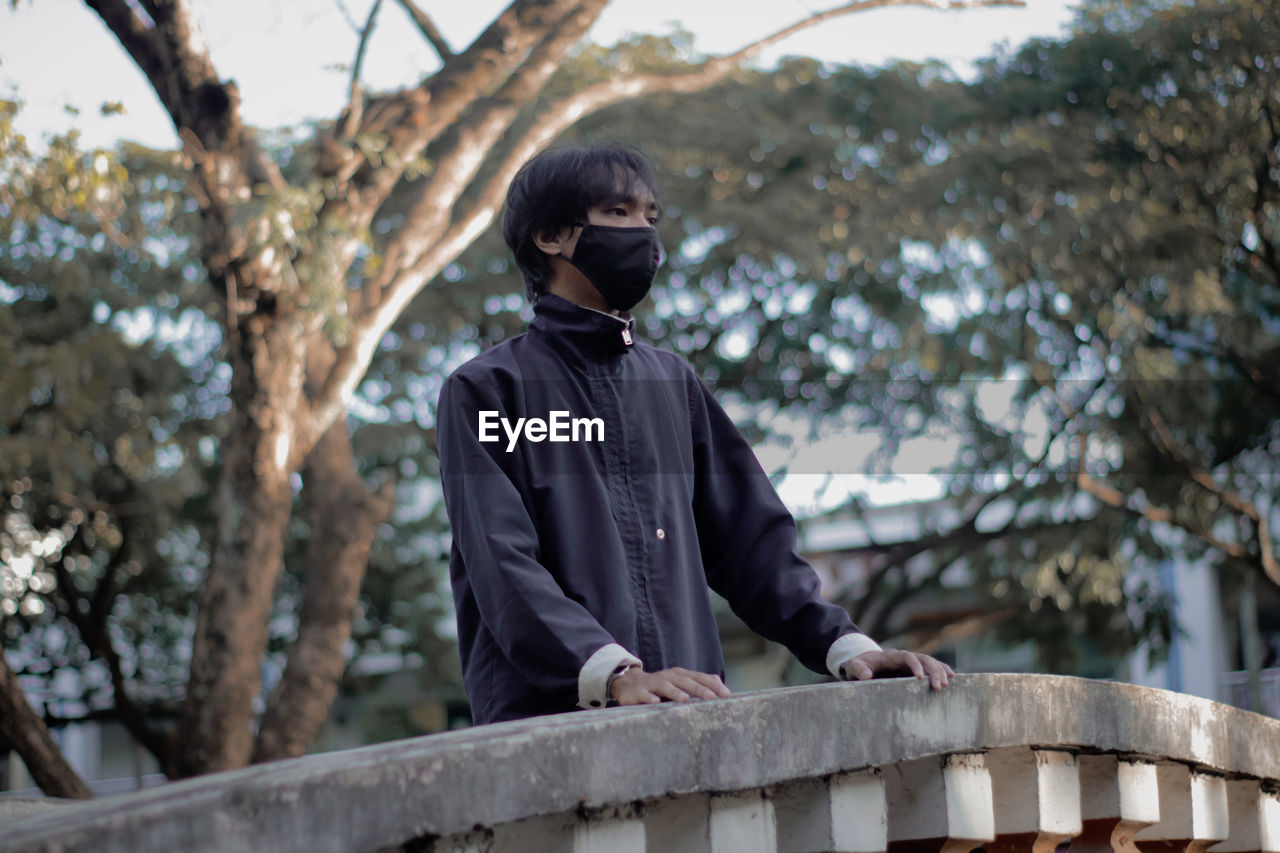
557	187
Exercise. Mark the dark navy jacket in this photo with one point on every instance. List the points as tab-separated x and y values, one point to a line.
562	547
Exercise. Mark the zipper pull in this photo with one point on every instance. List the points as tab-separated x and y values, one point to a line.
626	336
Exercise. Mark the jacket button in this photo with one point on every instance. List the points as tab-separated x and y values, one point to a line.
662	534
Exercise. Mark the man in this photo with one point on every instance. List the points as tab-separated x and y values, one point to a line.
595	488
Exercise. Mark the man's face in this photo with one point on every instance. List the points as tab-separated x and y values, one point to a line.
636	208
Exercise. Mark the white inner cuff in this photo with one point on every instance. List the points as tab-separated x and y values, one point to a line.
594	675
846	648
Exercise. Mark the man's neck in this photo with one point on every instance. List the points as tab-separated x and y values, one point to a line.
567	283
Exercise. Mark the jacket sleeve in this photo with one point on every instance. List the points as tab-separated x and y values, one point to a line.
545	634
748	542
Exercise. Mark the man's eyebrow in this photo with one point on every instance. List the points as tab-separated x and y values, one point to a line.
652	206
633	200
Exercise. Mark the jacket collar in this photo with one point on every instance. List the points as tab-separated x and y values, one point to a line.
582	331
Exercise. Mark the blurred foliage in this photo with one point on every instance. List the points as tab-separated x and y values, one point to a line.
113	396
109	405
1078	244
1081	236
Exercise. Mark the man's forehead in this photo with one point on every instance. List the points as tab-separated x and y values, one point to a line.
636	195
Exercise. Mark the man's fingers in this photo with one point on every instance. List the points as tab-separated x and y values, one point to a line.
675	685
701	685
937	673
897	661
689	682
711	684
686	688
670	690
638	696
900	662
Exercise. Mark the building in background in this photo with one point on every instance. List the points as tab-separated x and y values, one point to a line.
384	696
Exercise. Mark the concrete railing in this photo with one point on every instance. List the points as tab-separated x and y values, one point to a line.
1003	762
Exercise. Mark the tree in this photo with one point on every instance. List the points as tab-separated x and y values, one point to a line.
107	425
1144	273
1066	265
805	307
309	285
1124	189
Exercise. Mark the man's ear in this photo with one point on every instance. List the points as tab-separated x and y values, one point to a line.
553	242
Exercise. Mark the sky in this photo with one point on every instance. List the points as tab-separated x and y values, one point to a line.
288	57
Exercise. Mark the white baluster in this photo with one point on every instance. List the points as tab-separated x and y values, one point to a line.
844	814
1269	822
719	823
549	834
1037	799
1193	812
1118	799
743	823
939	804
617	830
613	830
678	824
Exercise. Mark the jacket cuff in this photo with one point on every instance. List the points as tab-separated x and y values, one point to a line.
593	678
845	649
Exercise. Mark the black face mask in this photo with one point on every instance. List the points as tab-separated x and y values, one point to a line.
620	262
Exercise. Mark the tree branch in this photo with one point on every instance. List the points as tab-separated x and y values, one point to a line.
344	518
972	540
965	532
354	95
173	56
346	14
91	626
411	119
23	729
1168	445
1262	173
479	131
563	114
1113	497
205	111
402	285
970	627
89	614
897	554
428	29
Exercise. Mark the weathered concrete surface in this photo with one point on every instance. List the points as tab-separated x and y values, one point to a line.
16	807
369	798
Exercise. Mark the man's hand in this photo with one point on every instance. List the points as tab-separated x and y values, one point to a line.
637	687
890	662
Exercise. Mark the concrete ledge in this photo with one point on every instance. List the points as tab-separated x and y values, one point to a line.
12	808
373	797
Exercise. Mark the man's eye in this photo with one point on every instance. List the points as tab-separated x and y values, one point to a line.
653	220
620	211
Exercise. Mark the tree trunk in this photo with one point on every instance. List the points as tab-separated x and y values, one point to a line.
22	727
344	518
254	501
